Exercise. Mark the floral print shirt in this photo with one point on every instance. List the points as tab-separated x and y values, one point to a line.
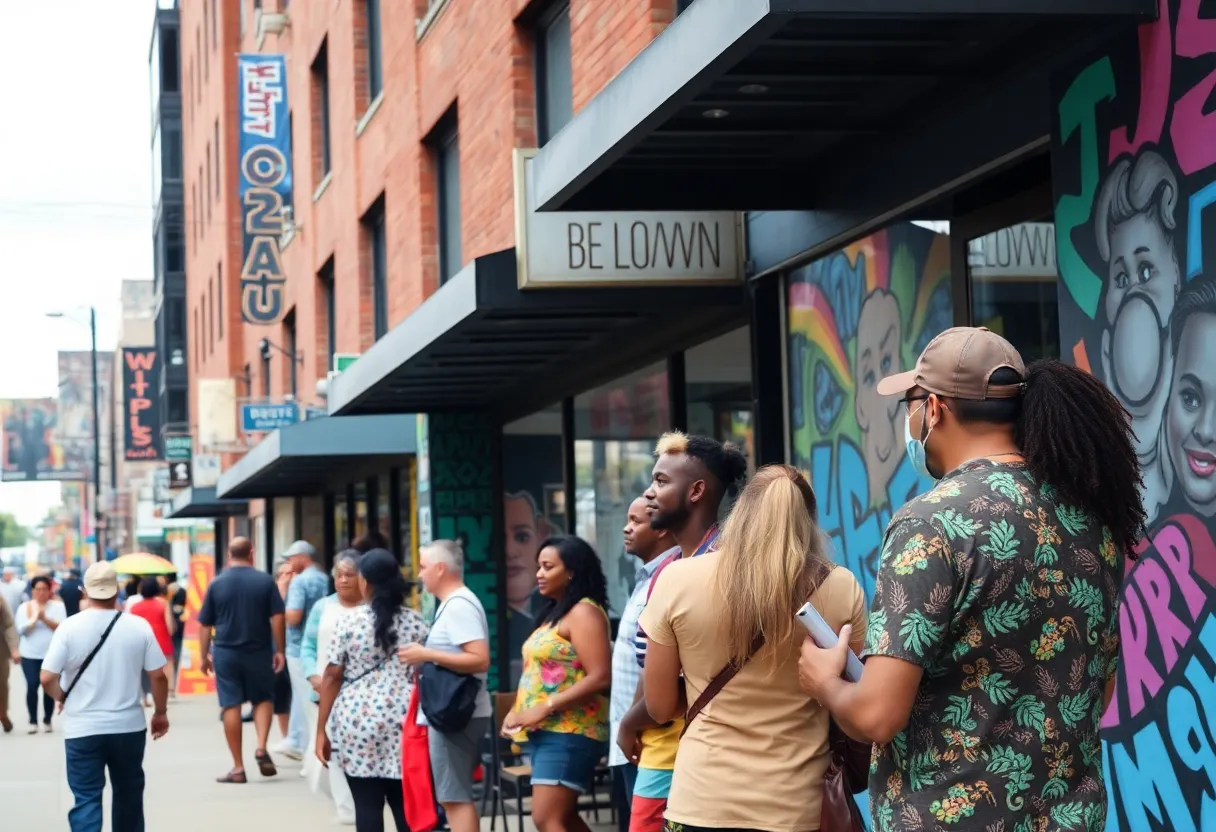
551	666
1006	596
365	724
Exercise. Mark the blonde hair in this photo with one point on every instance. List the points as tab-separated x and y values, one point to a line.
772	559
672	442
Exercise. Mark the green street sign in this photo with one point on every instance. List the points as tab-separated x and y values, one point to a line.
178	448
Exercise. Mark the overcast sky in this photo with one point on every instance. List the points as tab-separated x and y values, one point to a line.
75	188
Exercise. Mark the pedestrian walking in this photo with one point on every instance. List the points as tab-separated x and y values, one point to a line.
93	668
323	622
71	592
282	681
12	588
177	597
309	585
689	481
36	620
9	656
561	707
993	634
245	609
651	547
459	642
722	637
151	607
365	691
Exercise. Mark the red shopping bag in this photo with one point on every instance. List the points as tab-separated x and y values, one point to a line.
416	782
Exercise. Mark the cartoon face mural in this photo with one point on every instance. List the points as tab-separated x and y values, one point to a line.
855	316
1134	169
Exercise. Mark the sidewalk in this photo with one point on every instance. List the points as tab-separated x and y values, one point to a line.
181	793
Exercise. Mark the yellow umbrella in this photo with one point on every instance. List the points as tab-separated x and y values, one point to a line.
143	563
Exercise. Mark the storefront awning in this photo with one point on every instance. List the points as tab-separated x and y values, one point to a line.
779	104
318	454
481	342
201	503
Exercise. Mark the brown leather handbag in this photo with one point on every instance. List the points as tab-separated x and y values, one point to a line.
848	774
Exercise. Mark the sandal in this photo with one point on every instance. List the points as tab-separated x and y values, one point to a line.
265	764
234	776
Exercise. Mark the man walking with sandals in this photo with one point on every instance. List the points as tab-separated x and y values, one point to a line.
93	668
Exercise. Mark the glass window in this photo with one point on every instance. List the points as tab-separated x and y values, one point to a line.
1014	287
533	509
853	317
325	279
320	102
718	375
169	60
157	164
173	154
341	527
374	222
554	79
406	509
383	515
615	429
375	75
359	526
448	163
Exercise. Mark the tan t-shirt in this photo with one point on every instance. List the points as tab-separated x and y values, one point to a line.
756	756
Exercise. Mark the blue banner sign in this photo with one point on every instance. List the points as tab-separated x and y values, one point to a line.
260	418
265	183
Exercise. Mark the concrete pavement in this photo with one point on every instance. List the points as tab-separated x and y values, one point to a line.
181	793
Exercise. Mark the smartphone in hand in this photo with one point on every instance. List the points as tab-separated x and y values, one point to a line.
826	637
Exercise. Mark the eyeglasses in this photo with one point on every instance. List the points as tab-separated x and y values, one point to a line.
907	400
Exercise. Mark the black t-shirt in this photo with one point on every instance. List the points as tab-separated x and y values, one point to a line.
69	594
239	605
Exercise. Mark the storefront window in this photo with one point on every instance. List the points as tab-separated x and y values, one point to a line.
383	516
718	374
406	509
341	527
1014	287
615	429
359	525
533	509
853	317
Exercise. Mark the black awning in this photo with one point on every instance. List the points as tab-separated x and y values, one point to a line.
481	342
319	454
202	503
748	104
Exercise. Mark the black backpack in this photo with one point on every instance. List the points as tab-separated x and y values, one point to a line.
446	697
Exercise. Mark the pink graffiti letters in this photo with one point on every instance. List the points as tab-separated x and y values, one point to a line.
1193	129
1156	57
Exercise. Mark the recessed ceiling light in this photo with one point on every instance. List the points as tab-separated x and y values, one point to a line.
753	89
716	112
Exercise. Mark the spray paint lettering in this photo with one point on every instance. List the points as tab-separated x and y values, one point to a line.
856	316
1138	300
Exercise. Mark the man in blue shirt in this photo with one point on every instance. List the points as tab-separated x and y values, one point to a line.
309	586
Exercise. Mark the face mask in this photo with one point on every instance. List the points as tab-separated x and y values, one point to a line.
916	447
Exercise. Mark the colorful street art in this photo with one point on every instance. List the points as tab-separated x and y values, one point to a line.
857	315
1133	160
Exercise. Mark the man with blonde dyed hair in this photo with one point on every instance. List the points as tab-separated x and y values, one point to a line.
691	477
459	641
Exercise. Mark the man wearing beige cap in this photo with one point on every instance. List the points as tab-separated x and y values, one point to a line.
93	668
995	606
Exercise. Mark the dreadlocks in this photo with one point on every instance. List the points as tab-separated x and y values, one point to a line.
1075	435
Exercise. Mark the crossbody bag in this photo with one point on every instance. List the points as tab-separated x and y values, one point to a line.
447	698
89	658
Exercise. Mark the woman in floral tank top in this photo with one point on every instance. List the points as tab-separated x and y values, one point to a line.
561	707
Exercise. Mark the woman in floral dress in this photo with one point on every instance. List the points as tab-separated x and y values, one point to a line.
365	691
561	704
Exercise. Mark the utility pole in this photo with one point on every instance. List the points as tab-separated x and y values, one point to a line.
98	519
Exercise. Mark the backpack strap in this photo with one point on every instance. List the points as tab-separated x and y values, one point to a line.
89	659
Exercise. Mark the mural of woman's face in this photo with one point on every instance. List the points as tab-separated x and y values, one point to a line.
879	417
1191	416
1142	286
523	541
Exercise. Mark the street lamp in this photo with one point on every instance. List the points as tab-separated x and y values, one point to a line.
98	530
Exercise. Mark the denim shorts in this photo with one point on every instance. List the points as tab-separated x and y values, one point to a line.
564	759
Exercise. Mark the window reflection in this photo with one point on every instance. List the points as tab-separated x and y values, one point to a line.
1013	287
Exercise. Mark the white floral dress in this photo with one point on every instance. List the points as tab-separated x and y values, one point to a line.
365	724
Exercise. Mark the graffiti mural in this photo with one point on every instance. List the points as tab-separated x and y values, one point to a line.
1134	168
857	315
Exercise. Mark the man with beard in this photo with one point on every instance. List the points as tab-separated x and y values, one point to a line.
691	476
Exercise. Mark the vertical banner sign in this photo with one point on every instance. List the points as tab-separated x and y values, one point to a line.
190	676
265	183
141	416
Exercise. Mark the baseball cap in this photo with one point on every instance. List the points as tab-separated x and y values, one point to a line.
958	364
101	581
300	547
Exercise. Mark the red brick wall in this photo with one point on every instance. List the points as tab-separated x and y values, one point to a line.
477	56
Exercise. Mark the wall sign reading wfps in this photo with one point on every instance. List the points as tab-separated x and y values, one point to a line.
141	427
265	183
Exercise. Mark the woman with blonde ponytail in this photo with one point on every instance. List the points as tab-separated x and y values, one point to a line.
754	754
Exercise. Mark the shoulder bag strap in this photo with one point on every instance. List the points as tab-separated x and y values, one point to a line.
89	659
367	672
717	683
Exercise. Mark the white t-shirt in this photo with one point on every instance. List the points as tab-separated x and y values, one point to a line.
34	643
461	619
109	697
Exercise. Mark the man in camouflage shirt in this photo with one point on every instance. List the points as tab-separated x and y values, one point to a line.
993	633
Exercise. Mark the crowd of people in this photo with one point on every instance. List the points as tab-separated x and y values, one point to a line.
988	650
